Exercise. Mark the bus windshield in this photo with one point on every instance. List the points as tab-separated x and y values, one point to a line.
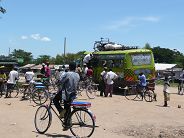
141	59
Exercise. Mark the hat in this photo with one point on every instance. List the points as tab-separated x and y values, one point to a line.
84	64
43	64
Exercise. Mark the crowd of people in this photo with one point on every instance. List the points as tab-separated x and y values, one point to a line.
69	78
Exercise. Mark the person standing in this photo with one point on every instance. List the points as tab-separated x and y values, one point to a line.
2	81
142	83
12	80
110	77
103	81
166	90
68	93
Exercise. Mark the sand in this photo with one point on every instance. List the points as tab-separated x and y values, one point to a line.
116	117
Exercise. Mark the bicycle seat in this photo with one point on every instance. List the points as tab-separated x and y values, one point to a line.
81	104
38	83
40	86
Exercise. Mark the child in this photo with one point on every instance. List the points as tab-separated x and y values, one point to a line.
166	90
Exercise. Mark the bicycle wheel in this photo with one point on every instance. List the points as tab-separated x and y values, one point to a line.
43	119
148	95
14	92
81	86
90	92
40	96
131	93
82	123
95	87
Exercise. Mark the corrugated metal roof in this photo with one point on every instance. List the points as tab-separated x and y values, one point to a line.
163	66
28	66
7	63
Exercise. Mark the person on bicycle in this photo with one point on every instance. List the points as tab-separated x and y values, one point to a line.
142	82
29	75
69	82
12	80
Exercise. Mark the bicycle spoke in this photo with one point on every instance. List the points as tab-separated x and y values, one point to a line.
82	123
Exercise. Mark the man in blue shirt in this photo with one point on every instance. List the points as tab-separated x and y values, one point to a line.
142	83
142	79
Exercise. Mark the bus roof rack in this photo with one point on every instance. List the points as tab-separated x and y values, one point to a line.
106	45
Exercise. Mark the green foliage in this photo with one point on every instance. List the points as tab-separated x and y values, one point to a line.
42	59
2	10
147	46
27	56
165	55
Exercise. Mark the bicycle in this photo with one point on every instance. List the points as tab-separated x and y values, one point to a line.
133	91
12	90
80	118
35	91
90	87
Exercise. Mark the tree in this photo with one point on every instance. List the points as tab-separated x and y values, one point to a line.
42	59
147	46
2	10
26	56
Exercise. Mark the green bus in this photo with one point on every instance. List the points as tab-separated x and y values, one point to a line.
127	64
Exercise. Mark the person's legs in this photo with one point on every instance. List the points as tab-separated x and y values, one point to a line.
102	91
106	90
9	87
1	88
57	100
111	90
67	108
165	99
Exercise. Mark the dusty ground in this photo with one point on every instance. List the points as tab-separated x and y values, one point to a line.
116	118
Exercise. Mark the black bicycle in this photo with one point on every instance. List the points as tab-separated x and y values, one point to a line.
133	92
81	121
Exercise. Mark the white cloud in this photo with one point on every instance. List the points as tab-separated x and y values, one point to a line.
24	37
46	39
37	37
131	22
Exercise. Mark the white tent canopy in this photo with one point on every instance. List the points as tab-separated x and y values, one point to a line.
162	66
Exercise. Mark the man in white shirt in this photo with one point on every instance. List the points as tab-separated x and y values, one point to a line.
87	59
29	75
13	77
110	76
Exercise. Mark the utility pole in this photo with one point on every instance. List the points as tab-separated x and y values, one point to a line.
64	49
9	52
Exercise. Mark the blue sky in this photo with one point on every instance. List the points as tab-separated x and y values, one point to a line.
40	26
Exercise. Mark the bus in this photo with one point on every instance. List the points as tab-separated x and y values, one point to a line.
127	64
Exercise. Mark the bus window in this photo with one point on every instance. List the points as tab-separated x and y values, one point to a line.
141	59
114	63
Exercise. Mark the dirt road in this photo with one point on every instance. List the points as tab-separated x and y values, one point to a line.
116	118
